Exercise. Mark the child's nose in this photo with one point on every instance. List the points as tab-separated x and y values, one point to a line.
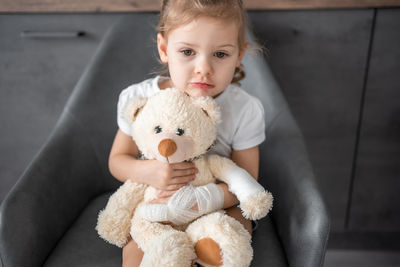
203	66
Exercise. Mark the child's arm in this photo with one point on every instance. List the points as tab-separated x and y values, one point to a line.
124	165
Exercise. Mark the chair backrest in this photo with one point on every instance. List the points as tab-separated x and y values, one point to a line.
260	83
127	55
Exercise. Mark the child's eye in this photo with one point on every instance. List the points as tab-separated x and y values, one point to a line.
187	52
220	54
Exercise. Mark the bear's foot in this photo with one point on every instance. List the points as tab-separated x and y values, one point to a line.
220	240
208	251
171	249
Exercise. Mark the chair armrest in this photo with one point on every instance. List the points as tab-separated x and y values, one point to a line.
57	185
299	211
71	169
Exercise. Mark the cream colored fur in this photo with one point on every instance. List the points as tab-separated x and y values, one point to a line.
114	221
162	244
232	237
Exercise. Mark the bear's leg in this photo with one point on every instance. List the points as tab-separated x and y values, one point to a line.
171	249
162	245
220	240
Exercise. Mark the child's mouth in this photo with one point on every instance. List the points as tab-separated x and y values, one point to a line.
202	85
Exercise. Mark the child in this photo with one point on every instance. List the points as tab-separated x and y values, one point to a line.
202	44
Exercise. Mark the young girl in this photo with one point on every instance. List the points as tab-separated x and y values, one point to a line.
202	43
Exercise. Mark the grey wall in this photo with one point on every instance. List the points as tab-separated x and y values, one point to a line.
377	170
337	68
36	78
319	60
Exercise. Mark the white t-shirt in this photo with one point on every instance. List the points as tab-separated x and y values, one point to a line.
242	116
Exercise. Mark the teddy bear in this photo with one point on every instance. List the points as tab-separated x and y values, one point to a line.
172	126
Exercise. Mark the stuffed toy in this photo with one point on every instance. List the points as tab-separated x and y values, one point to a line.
172	126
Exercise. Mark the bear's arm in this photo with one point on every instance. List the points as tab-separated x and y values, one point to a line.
255	202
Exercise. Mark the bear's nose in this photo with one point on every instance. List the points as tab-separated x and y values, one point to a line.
167	147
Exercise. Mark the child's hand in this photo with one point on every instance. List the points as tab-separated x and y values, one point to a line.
168	177
165	195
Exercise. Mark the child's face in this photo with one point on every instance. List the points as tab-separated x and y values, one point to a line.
201	56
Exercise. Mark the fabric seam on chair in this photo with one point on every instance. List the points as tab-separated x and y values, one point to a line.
326	239
1	260
279	238
272	123
68	110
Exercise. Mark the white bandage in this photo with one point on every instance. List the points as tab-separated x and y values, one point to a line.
179	209
208	198
241	183
153	212
180	206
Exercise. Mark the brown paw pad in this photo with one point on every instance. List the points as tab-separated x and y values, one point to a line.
208	251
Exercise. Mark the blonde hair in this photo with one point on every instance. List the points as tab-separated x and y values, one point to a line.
175	13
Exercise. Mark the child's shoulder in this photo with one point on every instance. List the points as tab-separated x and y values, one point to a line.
237	96
145	88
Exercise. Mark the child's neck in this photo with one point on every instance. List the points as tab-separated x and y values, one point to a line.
164	83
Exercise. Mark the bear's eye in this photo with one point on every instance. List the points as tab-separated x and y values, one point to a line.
180	131
157	129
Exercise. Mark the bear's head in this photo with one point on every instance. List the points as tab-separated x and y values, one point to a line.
172	126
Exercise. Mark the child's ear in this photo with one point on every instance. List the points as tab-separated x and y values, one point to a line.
242	51
133	108
162	48
209	107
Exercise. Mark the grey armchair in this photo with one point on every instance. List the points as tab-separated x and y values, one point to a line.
49	217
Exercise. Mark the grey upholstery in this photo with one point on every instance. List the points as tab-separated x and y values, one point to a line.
50	215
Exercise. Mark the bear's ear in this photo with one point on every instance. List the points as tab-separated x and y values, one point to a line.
209	107
133	108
